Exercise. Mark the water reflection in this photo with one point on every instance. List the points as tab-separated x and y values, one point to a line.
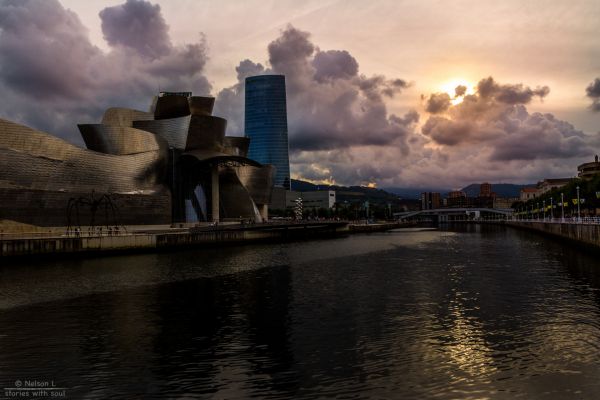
475	312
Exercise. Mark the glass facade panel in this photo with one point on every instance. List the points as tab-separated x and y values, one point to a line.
266	124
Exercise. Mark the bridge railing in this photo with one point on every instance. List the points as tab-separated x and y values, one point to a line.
569	220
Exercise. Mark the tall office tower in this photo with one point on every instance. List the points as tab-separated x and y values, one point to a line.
485	190
430	201
266	124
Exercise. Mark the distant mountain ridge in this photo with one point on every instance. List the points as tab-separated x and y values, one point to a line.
501	189
371	194
415	193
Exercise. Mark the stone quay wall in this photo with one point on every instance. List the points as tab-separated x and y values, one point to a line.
152	241
588	234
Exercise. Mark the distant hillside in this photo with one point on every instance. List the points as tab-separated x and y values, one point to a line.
302	186
501	189
351	193
414	193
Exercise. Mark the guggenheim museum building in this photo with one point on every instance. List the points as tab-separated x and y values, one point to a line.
172	164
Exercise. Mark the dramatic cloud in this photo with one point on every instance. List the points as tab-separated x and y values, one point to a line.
139	25
460	91
230	101
332	108
331	105
53	77
341	131
495	118
41	50
509	94
334	64
341	127
437	103
593	92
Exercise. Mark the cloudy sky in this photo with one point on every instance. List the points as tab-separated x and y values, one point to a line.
392	93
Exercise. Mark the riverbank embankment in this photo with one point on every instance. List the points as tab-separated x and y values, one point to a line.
582	233
164	239
157	238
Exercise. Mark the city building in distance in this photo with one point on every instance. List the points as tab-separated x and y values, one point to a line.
485	190
266	124
552	183
314	199
172	164
457	198
529	193
588	170
430	201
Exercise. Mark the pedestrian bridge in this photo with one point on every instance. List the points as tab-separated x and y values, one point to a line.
445	214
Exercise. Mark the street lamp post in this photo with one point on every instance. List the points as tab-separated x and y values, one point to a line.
531	211
562	206
551	209
544	206
578	206
537	214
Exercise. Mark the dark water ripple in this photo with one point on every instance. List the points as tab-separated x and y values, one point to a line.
471	313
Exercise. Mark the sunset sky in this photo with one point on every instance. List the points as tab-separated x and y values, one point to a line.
372	86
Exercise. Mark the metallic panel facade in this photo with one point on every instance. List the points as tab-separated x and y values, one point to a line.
201	105
173	165
36	160
258	181
117	116
121	140
206	132
236	145
40	173
236	202
171	106
174	130
50	208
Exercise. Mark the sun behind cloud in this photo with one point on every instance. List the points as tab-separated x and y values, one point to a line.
451	86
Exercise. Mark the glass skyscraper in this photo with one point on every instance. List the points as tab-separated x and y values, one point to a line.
266	124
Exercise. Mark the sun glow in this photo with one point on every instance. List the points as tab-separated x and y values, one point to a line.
450	88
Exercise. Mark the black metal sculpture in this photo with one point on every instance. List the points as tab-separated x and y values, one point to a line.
92	204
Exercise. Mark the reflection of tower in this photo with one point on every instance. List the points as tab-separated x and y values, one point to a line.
266	124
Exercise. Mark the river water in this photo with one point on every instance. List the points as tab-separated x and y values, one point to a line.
469	312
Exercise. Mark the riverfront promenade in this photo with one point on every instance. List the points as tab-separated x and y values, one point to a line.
158	238
583	231
155	238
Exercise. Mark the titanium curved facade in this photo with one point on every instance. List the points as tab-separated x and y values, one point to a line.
258	181
266	124
171	106
174	165
206	132
57	164
173	130
236	202
236	145
118	116
40	173
121	140
200	105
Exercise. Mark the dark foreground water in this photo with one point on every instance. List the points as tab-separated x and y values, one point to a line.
470	313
